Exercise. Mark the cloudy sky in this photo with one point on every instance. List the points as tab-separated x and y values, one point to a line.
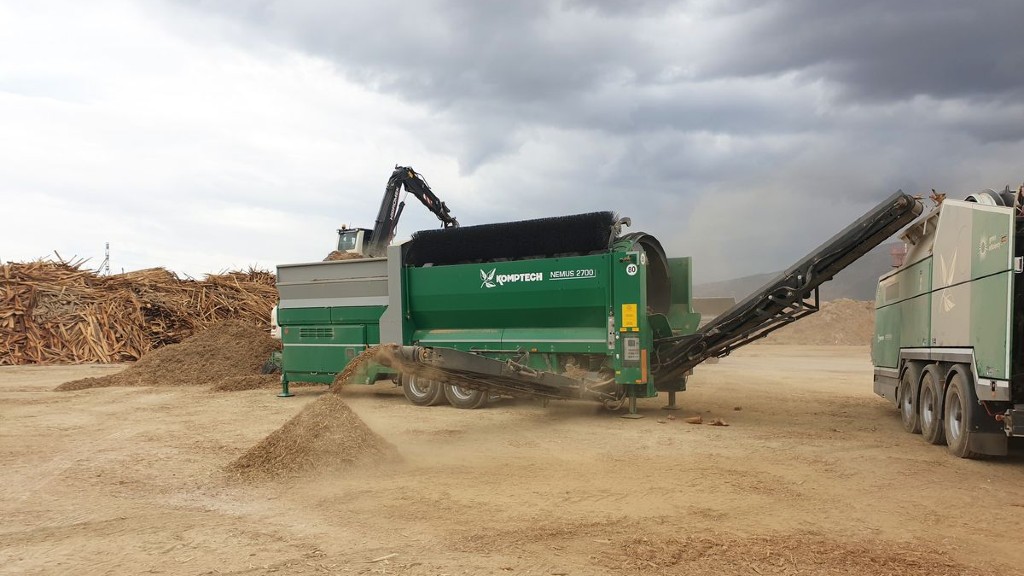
209	135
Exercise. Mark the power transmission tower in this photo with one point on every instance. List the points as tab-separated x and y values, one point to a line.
105	265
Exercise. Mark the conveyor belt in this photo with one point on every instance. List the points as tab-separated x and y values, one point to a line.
789	297
544	237
502	376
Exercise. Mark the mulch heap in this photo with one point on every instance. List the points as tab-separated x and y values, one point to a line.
838	323
56	312
226	351
326	436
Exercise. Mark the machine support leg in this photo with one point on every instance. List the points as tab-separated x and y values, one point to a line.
284	389
632	405
671	402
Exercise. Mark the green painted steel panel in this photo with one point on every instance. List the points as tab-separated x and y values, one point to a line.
967	302
916	279
320	342
356	314
629	272
885	346
992	275
992	231
953	245
476	336
907	283
586	340
902	312
321	348
554	340
990	316
915	321
681	316
543	293
292	316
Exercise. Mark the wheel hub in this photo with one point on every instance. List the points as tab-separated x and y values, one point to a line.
462	393
956	418
927	406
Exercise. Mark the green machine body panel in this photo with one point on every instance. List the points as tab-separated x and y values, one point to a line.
632	332
681	317
329	313
955	292
537	293
590	310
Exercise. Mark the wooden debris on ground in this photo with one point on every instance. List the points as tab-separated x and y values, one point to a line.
57	312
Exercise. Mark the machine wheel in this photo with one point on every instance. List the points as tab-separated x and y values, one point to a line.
930	406
957	421
464	397
422	392
908	401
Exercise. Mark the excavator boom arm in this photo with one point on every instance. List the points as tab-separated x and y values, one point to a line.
391	207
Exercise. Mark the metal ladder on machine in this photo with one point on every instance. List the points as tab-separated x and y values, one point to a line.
789	297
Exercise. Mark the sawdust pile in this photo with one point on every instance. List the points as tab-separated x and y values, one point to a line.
841	322
56	312
780	554
325	437
227	349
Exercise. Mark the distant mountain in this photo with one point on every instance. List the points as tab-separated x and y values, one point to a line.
857	282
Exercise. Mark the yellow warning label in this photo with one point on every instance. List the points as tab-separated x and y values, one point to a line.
629	316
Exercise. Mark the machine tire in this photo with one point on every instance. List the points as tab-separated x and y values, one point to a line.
463	398
929	405
908	400
422	392
956	422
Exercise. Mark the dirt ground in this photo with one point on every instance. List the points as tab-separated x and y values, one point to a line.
813	475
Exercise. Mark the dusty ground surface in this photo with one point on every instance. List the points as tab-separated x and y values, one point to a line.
814	475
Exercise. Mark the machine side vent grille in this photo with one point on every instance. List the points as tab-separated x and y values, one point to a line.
316	333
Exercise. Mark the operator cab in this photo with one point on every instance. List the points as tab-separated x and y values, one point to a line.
352	240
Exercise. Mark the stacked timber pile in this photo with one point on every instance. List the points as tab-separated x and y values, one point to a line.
56	312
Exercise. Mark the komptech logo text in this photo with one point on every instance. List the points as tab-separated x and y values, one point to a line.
492	278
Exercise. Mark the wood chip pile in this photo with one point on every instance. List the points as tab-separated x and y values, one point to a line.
56	312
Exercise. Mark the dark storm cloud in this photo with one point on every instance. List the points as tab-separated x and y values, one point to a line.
688	114
609	66
883	49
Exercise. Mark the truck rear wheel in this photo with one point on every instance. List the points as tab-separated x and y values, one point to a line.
464	397
930	406
957	421
908	400
422	392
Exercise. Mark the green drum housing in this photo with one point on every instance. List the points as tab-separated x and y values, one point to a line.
596	309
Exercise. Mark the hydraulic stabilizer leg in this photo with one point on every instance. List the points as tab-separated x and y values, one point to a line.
671	402
285	393
632	405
